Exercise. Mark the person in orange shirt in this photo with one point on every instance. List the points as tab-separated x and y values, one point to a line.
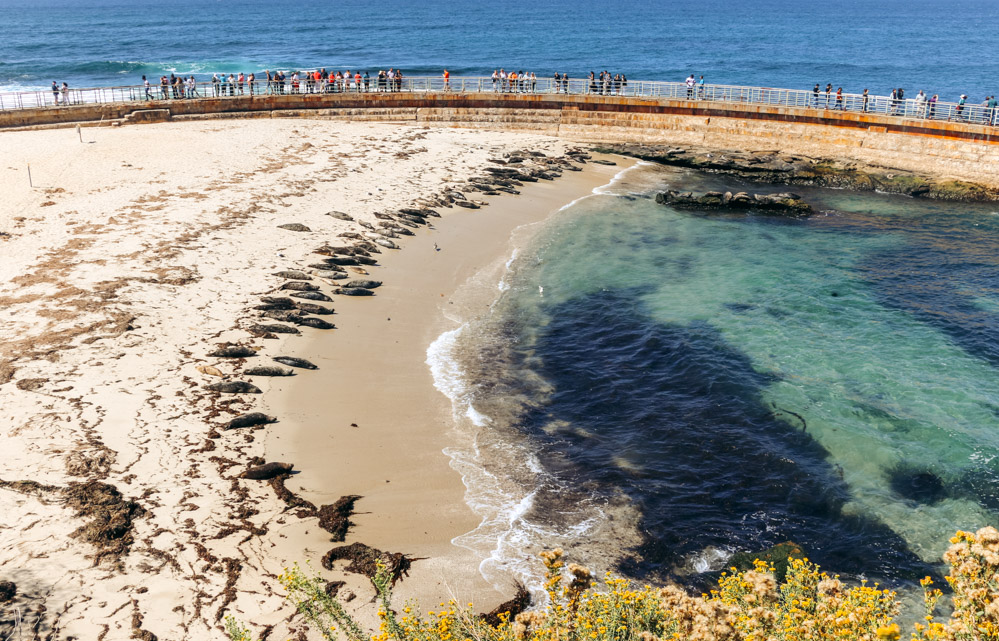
512	78
447	80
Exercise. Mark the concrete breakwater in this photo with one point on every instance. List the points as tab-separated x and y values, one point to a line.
956	150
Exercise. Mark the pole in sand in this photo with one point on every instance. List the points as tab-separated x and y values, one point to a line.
30	184
79	133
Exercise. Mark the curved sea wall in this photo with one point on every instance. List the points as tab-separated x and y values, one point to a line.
938	148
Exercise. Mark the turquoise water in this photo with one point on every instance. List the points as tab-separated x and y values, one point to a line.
666	388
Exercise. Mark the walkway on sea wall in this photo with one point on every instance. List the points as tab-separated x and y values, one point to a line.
943	148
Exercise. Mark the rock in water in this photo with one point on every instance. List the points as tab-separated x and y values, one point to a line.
292	361
292	274
249	420
267	471
266	370
317	323
364	284
313	296
274	329
8	590
234	387
783	204
294	227
233	351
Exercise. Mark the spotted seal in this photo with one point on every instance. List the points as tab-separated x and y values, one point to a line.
295	362
249	420
233	351
267	370
234	387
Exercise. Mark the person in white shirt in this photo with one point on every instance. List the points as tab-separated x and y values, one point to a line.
690	86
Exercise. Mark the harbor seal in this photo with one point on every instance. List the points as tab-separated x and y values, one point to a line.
249	420
313	296
267	370
317	323
234	387
286	315
294	227
292	274
354	291
365	284
292	361
274	329
312	308
267	471
233	351
329	274
299	286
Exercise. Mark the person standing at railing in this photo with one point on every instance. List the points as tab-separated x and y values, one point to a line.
932	110
192	88
815	96
865	97
145	84
690	86
593	83
65	94
241	79
55	93
565	83
700	87
991	104
958	112
839	98
534	83
828	93
367	81
920	104
251	80
447	80
163	87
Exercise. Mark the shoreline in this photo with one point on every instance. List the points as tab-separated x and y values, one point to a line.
375	364
130	258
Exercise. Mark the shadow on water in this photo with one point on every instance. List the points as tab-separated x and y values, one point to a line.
673	417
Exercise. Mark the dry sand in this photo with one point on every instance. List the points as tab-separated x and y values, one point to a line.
136	253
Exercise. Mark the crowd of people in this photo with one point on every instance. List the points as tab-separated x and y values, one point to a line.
921	106
503	81
275	83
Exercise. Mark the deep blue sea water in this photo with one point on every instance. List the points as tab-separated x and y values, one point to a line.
940	47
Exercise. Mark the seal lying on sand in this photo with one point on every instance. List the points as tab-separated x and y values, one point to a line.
295	362
274	329
316	323
354	291
364	284
292	274
267	370
233	351
266	471
234	387
312	308
299	286
249	420
313	296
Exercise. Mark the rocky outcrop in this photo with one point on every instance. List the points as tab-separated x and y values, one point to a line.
772	167
783	204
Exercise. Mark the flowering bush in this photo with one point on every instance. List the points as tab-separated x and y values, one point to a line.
750	605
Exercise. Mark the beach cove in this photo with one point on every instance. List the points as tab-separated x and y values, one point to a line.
141	250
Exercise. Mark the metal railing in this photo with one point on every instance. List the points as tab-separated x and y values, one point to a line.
911	108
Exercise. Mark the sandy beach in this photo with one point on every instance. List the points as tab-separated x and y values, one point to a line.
134	254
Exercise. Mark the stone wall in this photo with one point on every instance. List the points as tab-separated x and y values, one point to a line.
959	150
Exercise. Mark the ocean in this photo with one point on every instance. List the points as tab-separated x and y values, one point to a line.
943	48
655	390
